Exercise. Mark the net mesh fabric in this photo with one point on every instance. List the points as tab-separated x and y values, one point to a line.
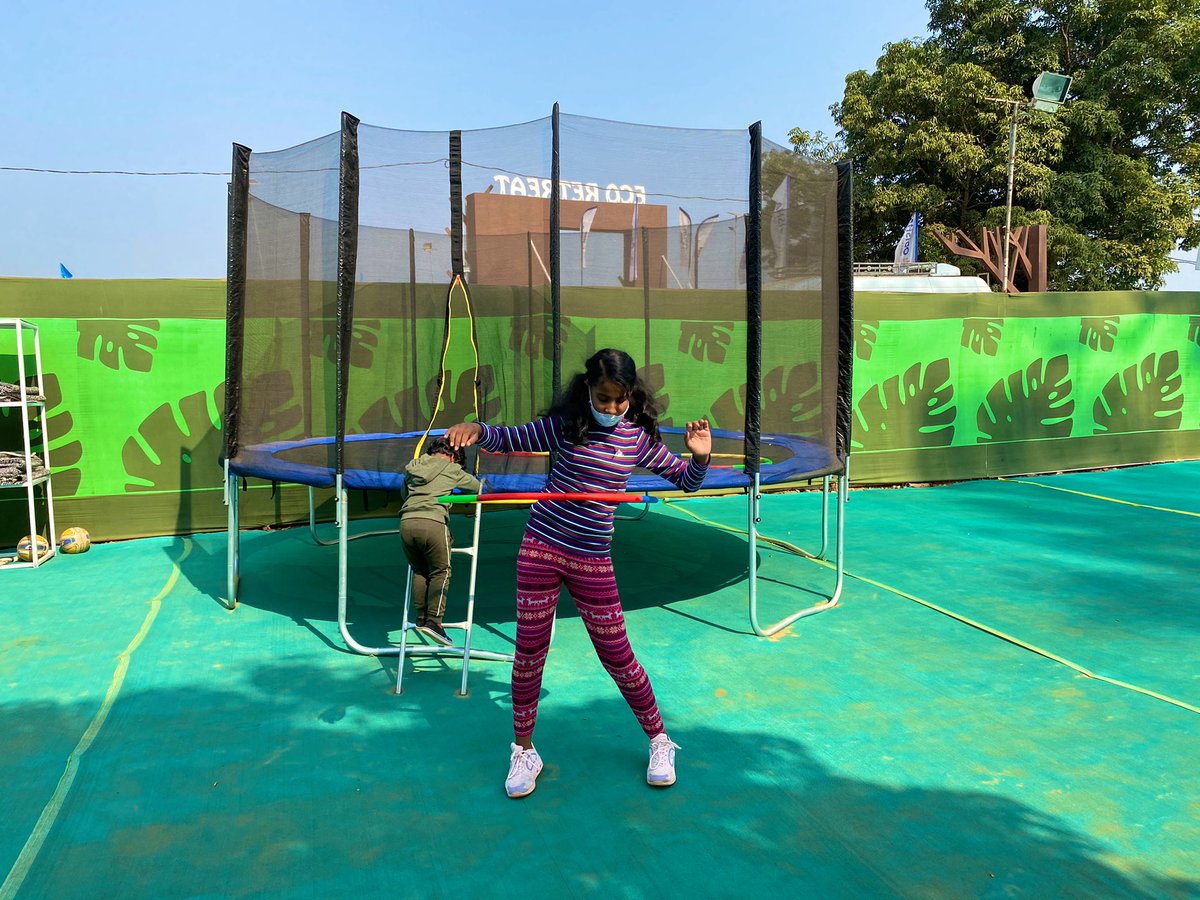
651	259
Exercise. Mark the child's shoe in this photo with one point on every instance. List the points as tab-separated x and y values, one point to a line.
435	631
661	772
523	769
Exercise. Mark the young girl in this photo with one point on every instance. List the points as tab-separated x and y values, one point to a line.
604	426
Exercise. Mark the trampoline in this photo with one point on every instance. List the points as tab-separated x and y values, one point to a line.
787	459
384	285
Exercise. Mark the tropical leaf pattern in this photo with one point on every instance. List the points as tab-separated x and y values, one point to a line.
169	441
705	340
1030	403
65	453
1193	331
402	413
866	335
791	402
282	415
982	336
1147	396
119	345
533	336
652	377
1099	332
912	409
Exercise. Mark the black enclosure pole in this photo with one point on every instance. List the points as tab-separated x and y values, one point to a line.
456	207
235	293
346	266
555	299
754	305
305	238
414	411
845	213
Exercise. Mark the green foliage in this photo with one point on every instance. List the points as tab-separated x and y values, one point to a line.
1031	403
1115	174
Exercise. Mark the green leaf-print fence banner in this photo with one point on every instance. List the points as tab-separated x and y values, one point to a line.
946	387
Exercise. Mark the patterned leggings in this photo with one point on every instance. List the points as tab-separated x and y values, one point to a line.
541	570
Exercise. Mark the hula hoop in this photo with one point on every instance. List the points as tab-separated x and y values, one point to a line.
598	497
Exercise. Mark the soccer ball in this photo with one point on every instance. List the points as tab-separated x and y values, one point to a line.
25	548
74	540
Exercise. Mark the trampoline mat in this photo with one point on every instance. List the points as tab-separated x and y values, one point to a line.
375	462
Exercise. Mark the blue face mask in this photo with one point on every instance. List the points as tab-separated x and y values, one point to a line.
606	420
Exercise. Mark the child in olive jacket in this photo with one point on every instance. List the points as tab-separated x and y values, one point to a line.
425	531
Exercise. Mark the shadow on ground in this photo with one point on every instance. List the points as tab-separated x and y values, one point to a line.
659	559
291	781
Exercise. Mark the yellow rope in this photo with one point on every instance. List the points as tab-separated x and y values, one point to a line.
1051	487
437	407
953	615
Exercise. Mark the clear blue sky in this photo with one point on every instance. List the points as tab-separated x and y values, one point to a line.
158	87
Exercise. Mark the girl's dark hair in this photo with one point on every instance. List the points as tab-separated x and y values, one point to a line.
618	367
443	447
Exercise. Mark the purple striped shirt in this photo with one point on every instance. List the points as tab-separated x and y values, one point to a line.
604	463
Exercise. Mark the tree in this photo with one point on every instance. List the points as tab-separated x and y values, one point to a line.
1115	174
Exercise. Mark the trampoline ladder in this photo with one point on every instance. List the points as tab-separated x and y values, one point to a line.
465	652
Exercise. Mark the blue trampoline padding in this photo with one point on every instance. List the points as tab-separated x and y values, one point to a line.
805	459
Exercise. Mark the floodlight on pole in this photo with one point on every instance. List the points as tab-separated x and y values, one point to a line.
1049	93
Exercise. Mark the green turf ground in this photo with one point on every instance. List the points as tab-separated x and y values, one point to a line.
154	744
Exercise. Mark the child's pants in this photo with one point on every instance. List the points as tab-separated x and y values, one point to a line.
427	544
541	570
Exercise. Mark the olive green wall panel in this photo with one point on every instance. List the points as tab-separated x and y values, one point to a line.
946	387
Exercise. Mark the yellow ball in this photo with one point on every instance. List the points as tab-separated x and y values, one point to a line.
25	548
75	540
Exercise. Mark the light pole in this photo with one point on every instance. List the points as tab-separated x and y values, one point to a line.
1049	92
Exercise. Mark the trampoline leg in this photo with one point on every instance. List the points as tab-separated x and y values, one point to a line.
343	524
312	519
233	540
473	552
755	497
312	525
404	633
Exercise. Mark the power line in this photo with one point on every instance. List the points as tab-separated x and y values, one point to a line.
102	172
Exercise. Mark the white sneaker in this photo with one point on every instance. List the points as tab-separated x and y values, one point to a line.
523	769
661	772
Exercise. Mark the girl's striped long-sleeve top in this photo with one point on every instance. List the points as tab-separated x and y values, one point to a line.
604	463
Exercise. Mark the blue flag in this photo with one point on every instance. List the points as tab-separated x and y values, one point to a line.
64	271
906	247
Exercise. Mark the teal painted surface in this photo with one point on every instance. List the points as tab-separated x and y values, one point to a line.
876	749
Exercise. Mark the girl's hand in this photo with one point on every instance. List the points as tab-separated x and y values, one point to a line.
698	438
463	435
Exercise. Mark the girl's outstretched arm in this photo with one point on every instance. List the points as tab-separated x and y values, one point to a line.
540	435
697	437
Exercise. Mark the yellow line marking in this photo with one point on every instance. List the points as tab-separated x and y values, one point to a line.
46	820
1051	487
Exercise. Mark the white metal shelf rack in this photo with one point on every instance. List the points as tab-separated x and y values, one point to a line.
32	406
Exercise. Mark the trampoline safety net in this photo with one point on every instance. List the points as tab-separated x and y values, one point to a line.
384	284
